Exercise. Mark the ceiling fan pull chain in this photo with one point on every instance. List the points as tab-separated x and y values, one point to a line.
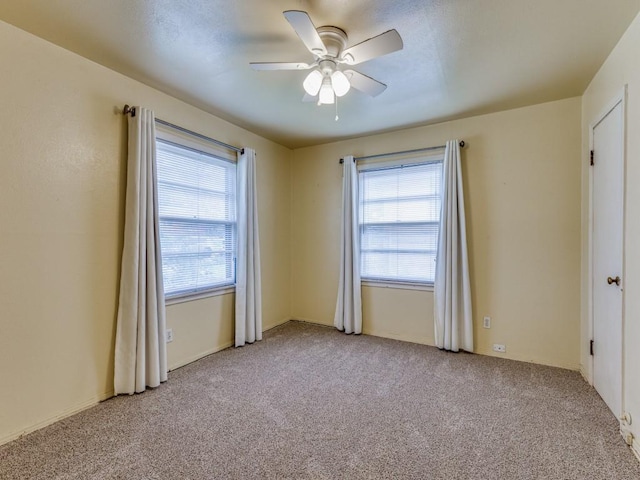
337	117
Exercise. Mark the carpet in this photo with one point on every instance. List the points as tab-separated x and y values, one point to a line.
309	402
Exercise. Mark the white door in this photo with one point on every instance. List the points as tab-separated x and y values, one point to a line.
607	281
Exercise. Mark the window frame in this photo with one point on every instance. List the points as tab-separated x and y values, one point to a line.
180	139
393	162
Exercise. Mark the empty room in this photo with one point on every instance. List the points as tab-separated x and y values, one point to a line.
303	239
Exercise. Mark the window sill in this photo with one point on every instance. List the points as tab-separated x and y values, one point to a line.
189	297
426	287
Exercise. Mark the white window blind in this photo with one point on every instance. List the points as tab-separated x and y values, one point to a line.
399	221
196	199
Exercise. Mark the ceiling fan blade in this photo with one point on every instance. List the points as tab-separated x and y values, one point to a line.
306	30
309	98
383	44
280	66
364	83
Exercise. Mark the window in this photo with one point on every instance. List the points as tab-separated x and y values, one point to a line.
399	221
196	200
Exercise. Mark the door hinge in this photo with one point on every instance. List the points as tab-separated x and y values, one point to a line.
591	161
591	347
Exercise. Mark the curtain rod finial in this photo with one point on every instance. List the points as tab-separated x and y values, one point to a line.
129	110
462	144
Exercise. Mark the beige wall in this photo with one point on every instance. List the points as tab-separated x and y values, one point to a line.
522	180
62	177
620	69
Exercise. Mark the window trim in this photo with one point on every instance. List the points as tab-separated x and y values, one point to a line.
182	140
189	297
170	136
397	284
436	156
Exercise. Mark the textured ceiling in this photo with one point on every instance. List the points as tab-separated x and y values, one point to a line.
460	57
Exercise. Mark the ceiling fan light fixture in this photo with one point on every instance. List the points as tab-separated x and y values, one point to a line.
328	44
313	82
340	83
327	96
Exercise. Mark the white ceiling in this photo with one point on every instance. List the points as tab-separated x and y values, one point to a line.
460	57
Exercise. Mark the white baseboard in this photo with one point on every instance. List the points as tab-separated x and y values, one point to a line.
585	375
92	402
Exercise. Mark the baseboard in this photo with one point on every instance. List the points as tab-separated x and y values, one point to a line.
373	333
635	448
428	342
218	348
100	398
398	336
312	322
277	324
527	359
92	402
201	355
585	375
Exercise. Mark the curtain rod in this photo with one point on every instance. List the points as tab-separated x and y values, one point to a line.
127	110
404	152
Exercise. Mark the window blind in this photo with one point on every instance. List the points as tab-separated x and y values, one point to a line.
196	200
399	214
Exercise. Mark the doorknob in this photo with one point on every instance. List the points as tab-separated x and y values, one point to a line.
613	280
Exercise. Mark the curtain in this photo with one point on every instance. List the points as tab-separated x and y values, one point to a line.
248	285
348	317
140	355
452	292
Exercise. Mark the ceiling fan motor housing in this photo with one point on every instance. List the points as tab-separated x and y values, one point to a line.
335	41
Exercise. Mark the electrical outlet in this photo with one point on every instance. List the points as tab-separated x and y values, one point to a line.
486	322
169	335
499	348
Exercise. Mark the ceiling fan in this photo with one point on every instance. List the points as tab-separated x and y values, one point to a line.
329	77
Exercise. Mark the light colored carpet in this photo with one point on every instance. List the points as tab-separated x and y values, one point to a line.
311	402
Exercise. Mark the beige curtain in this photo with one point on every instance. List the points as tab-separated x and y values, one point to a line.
140	355
348	316
452	291
248	282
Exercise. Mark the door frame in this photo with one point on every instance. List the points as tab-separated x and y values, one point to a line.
619	99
